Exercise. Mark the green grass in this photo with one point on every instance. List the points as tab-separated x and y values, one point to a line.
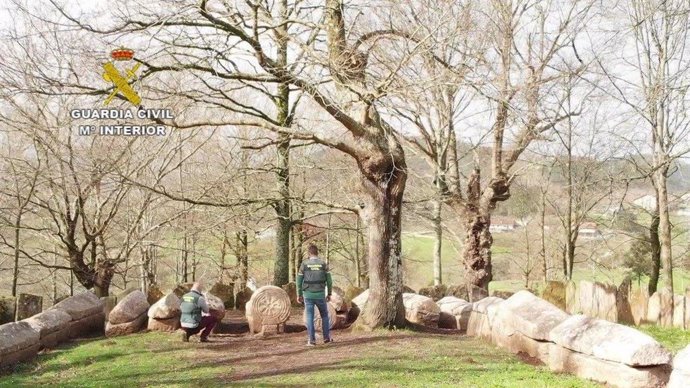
673	339
143	359
379	359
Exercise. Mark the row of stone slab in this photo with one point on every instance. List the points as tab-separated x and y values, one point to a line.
73	317
132	313
590	348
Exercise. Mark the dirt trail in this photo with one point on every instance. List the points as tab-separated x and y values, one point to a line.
254	357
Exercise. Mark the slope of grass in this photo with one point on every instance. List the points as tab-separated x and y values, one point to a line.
673	339
382	359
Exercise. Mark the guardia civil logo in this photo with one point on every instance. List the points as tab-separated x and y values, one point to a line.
121	80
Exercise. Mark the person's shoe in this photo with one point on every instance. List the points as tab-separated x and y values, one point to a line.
183	336
203	339
309	343
328	341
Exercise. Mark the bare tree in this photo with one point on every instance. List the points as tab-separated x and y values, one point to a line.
658	31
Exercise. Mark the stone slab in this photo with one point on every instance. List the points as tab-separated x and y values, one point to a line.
532	316
17	336
87	326
28	305
612	373
49	321
609	341
83	305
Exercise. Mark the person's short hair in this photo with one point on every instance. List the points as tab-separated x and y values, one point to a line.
312	250
197	286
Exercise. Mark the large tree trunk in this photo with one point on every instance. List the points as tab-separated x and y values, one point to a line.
477	250
15	270
665	238
542	236
281	271
655	251
572	243
383	180
242	253
103	277
438	242
477	213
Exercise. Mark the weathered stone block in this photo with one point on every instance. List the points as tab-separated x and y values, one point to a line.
434	292
166	325
17	336
458	291
182	289
242	298
604	302
165	308
80	306
226	293
475	293
612	373
639	300
361	300
679	306
532	316
609	341
291	289
129	308
138	324
153	294
49	322
421	309
109	303
28	305
86	326
554	293
215	306
623	307
654	308
7	309
572	298
18	356
455	313
680	377
52	340
352	292
666	312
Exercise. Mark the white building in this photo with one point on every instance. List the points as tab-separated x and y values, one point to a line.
502	224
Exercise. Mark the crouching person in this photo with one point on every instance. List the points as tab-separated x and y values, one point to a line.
195	316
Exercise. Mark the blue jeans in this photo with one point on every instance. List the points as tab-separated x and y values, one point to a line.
323	311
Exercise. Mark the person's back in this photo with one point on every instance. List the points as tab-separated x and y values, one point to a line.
314	285
195	315
315	273
191	309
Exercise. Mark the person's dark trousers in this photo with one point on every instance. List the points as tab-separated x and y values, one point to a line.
323	311
205	326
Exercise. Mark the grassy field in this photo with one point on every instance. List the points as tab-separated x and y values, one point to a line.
672	338
379	359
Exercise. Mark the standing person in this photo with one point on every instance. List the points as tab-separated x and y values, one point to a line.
195	316
313	280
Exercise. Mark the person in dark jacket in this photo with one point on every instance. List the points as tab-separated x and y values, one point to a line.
195	316
314	285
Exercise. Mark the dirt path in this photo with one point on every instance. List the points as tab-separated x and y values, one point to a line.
254	357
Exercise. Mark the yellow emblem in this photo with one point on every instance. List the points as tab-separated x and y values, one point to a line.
120	81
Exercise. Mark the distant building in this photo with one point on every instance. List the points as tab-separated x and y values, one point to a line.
589	230
502	224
